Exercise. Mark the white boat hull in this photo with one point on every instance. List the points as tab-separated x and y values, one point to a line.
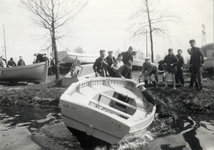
100	120
65	57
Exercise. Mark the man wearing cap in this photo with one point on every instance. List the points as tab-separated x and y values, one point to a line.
148	70
171	61
128	55
196	63
21	62
125	71
110	61
179	78
100	65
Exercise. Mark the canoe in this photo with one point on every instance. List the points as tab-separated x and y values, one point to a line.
109	109
83	72
28	73
66	57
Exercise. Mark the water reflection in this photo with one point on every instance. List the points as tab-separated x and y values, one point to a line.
13	126
193	133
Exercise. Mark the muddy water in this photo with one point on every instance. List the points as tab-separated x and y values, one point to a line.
192	133
14	121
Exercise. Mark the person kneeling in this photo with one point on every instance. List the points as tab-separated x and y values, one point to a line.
125	71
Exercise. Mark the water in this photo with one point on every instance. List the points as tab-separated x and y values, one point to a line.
193	133
13	127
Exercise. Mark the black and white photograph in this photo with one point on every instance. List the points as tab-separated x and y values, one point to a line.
106	75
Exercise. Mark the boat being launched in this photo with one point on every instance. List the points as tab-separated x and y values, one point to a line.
29	73
109	109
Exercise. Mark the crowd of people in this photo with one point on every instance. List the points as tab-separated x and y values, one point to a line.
171	65
11	62
114	67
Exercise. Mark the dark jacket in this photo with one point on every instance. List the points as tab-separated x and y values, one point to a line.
11	63
21	62
197	56
127	57
161	65
124	71
110	61
180	61
171	59
100	66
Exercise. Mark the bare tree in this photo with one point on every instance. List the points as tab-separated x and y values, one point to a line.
52	15
152	21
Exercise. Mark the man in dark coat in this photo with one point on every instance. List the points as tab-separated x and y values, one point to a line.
196	63
110	61
21	62
125	71
11	63
100	65
171	61
127	55
179	78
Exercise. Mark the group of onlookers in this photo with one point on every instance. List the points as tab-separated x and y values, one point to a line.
171	64
114	67
11	62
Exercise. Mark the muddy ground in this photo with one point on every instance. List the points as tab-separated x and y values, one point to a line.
51	133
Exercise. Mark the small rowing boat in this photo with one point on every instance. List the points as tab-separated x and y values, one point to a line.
29	73
109	109
82	72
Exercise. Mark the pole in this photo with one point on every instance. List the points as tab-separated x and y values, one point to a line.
146	45
5	44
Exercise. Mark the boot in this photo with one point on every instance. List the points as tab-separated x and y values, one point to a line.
154	83
191	84
163	79
201	86
197	86
146	82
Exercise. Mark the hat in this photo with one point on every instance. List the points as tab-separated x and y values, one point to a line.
140	84
110	51
170	49
191	41
101	51
147	58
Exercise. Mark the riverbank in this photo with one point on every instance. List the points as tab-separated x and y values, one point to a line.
50	132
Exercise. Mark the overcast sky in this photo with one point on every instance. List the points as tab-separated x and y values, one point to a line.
103	24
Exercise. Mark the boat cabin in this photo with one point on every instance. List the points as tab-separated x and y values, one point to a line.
208	50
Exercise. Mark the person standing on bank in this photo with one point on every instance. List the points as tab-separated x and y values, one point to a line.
110	61
127	55
21	62
196	63
100	65
179	78
171	61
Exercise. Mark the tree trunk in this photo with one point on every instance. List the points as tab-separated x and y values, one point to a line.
150	31
54	47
